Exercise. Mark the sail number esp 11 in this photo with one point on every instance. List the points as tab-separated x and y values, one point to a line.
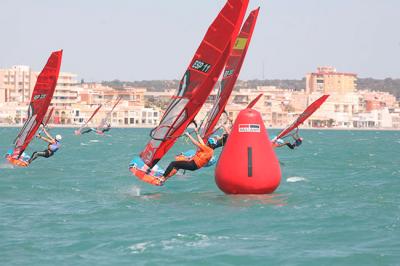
39	96
201	66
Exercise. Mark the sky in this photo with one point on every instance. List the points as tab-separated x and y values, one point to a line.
156	39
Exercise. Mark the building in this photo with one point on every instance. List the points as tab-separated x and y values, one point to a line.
16	84
327	81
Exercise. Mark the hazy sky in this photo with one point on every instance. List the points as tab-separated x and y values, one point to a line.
156	39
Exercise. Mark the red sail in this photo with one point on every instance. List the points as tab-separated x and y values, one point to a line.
78	131
254	101
40	101
197	82
231	73
50	113
105	120
303	117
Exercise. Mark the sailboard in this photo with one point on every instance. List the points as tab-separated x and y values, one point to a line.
79	130
40	101
107	118
196	84
231	73
302	117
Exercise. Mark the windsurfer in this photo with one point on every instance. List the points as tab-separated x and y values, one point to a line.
203	155
53	145
297	141
220	140
105	129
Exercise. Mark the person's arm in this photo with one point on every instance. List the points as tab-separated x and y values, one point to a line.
200	140
192	139
49	137
50	141
226	129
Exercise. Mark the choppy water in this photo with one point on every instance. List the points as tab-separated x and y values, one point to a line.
338	204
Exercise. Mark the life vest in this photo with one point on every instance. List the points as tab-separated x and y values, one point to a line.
54	147
203	155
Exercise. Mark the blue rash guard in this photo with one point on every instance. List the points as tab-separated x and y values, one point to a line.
55	146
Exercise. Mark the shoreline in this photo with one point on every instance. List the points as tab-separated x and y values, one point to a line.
149	127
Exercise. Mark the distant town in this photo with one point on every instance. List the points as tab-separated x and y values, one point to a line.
142	105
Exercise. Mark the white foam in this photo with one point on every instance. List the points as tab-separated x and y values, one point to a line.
6	166
94	140
140	247
293	179
134	191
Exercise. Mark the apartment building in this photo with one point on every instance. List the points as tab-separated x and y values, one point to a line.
327	80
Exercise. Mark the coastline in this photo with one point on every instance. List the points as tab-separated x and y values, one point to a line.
149	127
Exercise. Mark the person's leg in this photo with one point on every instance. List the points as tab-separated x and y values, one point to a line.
290	145
185	165
37	154
86	131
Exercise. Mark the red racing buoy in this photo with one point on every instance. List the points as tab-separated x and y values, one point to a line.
248	164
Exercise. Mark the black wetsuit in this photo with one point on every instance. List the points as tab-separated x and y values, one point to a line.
106	129
86	130
185	165
46	153
295	144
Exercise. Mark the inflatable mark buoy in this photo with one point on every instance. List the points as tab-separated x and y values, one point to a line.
248	164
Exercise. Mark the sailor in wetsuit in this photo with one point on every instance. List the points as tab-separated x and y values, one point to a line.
53	145
220	140
297	142
203	154
105	129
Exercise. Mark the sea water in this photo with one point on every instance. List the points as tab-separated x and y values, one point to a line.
338	204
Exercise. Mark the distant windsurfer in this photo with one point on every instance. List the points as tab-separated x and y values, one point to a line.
85	131
97	131
53	145
105	129
280	142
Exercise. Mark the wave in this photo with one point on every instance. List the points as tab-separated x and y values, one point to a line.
294	179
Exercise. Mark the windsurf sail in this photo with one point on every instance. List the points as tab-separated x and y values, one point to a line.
254	102
197	82
78	131
107	119
40	101
231	73
46	121
303	117
50	113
